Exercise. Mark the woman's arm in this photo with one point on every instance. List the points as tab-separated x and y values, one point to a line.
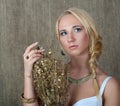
29	91
112	93
30	56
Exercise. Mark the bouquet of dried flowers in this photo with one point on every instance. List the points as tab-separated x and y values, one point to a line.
50	80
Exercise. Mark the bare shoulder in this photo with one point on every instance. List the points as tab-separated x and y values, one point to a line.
112	93
113	85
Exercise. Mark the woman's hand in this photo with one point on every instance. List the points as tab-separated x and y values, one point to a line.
30	56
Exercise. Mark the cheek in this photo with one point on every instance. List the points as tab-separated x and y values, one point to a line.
84	40
63	42
85	35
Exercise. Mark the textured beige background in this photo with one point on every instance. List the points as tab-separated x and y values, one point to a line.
25	21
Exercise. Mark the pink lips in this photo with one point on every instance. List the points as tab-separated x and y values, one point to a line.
73	47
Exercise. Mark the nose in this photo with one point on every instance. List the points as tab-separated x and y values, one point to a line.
70	37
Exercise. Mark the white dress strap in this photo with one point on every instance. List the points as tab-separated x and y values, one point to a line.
104	85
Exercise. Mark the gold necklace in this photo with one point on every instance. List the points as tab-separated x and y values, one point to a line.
79	81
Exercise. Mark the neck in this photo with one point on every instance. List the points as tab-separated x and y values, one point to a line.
80	64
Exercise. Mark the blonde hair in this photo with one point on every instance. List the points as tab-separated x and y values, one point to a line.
95	47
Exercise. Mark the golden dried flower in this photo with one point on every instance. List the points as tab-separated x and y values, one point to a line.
50	80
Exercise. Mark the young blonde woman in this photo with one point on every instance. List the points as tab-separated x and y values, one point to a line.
88	84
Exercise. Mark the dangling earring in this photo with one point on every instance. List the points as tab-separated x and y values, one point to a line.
62	53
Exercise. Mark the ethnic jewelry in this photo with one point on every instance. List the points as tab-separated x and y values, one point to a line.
79	81
62	53
27	57
25	100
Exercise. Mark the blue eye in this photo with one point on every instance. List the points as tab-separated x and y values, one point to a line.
77	29
63	33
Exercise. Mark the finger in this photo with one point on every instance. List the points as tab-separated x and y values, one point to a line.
29	48
33	53
36	52
35	57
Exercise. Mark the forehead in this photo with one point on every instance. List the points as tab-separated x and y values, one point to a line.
68	21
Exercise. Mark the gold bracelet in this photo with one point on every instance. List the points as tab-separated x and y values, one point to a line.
25	100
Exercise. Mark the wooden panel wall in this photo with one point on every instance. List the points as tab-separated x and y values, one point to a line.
23	22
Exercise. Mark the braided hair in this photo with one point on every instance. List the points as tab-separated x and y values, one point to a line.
95	47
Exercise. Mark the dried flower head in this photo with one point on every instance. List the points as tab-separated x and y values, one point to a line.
50	80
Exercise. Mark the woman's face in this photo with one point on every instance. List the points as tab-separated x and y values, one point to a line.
72	35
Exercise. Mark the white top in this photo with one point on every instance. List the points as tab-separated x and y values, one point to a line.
94	100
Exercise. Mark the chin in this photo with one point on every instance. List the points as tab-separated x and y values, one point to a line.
74	53
78	53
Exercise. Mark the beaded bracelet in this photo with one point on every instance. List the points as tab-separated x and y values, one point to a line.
25	100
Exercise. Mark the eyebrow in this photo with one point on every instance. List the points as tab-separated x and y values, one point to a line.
72	27
77	26
62	30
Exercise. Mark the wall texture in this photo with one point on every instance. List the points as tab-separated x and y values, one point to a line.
23	22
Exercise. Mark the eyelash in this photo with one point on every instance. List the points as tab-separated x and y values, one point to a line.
76	30
62	33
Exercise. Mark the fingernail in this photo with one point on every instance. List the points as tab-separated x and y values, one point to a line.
36	42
